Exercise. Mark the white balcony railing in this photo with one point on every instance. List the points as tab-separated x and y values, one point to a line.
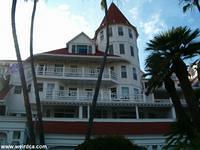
104	96
74	72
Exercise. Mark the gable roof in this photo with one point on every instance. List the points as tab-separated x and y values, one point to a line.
65	52
115	16
82	33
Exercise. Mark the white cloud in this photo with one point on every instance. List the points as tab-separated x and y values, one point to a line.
53	27
134	13
153	26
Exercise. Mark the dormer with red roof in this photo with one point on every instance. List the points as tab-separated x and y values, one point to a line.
81	44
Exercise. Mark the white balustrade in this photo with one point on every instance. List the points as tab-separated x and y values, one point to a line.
104	96
66	72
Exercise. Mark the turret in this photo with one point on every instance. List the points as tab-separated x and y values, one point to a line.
123	43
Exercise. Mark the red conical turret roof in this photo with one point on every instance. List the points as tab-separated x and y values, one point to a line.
115	16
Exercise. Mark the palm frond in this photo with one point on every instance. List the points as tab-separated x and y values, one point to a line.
103	4
187	7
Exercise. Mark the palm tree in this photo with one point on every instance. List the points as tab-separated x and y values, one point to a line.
31	134
198	70
98	83
189	4
37	96
174	46
160	74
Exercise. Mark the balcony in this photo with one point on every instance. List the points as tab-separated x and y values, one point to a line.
104	97
88	74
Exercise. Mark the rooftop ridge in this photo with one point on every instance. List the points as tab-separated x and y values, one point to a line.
115	16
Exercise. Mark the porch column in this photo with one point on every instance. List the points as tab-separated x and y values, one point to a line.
153	99
80	112
173	113
83	72
144	97
137	112
36	69
88	111
78	95
63	74
9	137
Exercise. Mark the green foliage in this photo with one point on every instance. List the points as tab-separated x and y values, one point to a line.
109	143
183	136
197	92
189	4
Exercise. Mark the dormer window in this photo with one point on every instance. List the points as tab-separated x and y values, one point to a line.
82	49
120	31
130	33
110	33
110	50
101	35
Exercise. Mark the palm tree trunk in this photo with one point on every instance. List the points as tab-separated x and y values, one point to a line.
98	83
197	3
22	77
170	87
182	117
198	70
190	97
37	96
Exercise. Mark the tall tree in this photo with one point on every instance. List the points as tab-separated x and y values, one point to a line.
30	128
98	83
37	96
177	44
189	4
158	74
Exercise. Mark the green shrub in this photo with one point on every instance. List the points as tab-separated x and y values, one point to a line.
109	143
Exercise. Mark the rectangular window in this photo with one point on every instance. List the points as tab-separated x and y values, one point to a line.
123	72
132	51
101	35
111	49
89	93
113	93
17	90
50	90
41	69
136	91
110	33
16	135
58	69
73	92
29	88
40	87
125	93
121	49
130	33
81	49
89	49
134	74
85	115
2	110
70	112
120	31
73	49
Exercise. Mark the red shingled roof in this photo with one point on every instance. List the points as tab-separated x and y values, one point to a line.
64	51
108	128
115	16
4	92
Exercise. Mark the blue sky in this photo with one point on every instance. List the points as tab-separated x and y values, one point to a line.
57	21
